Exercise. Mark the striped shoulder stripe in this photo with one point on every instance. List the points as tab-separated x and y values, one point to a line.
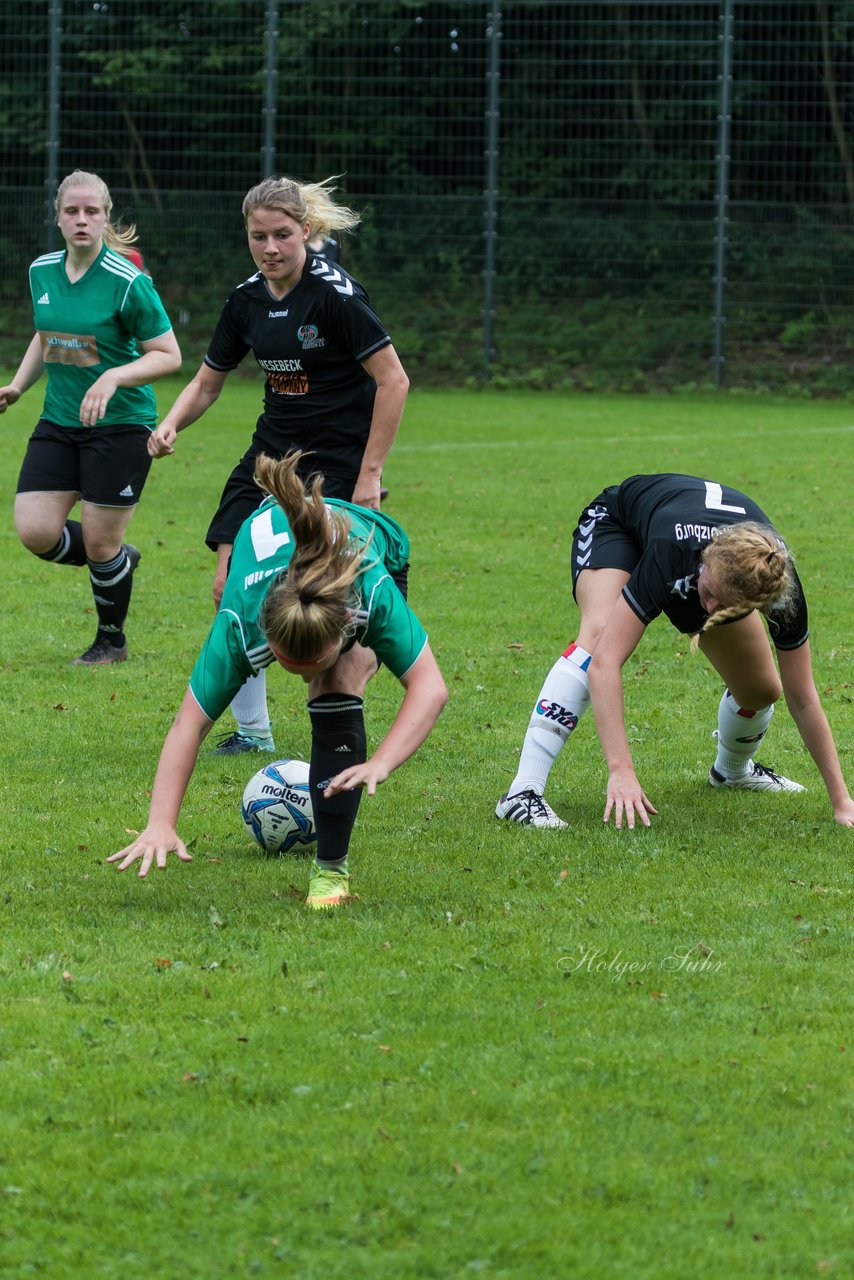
46	258
260	656
118	265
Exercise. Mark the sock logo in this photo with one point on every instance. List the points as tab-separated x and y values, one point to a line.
554	711
758	738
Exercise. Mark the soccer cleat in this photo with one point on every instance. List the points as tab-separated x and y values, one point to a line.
134	555
760	778
327	889
528	809
236	743
100	653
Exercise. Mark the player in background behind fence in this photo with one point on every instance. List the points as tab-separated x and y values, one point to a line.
311	583
102	336
335	388
707	557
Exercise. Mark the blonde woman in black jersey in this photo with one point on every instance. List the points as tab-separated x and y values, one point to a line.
709	559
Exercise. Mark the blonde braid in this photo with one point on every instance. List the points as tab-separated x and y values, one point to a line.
751	563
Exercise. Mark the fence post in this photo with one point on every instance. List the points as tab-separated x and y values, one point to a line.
54	72
722	198
271	76
490	214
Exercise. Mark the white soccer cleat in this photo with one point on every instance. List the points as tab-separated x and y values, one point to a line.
761	778
528	809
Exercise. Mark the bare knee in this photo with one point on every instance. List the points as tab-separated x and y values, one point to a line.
38	536
589	634
756	695
100	549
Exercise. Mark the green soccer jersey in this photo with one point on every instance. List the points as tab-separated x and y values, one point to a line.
90	326
236	647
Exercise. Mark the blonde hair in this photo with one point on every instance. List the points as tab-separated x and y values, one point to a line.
305	202
750	563
119	239
310	606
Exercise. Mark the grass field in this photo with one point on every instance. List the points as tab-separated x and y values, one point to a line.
519	1054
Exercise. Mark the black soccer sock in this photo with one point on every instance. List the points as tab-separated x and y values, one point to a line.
70	548
112	582
338	739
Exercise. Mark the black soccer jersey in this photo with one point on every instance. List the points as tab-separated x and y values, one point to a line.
672	518
310	345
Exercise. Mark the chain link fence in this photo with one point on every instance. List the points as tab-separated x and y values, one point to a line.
584	193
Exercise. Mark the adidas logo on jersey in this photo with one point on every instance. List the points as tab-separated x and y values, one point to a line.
127	492
43	301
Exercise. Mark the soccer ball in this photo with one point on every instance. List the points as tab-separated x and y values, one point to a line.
276	807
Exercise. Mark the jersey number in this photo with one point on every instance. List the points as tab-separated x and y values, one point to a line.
265	543
715	502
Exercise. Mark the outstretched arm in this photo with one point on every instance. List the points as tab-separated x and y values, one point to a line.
619	639
803	702
196	398
423	702
174	770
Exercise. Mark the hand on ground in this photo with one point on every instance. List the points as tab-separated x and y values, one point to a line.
627	800
151	848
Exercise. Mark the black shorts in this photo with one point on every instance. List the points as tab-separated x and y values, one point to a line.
241	496
107	466
599	542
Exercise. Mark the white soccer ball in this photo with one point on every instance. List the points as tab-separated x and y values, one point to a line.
276	807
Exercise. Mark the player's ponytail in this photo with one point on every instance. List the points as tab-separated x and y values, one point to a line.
310	606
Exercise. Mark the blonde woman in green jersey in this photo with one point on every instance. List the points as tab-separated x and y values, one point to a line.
316	586
102	336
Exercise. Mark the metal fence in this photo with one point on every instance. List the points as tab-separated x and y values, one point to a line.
588	193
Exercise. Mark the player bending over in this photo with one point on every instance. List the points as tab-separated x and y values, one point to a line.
317	586
708	557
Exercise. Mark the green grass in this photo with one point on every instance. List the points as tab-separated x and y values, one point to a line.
582	1053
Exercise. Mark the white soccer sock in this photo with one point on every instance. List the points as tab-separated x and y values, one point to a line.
739	735
249	707
564	698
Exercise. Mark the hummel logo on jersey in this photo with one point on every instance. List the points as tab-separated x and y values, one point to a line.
43	301
327	272
277	315
127	492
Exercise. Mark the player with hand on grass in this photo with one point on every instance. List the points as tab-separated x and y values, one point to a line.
335	388
94	313
312	582
707	557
